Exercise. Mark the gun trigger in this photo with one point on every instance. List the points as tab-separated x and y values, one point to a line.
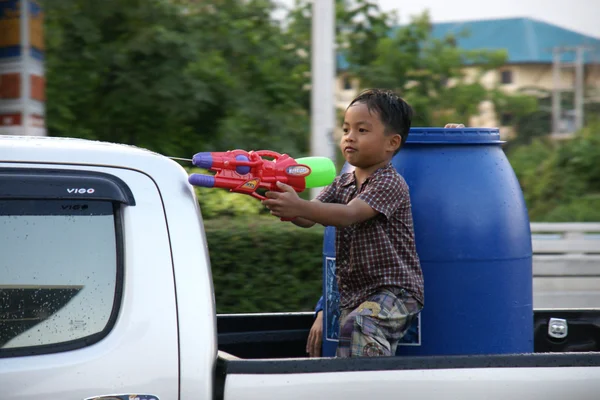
258	196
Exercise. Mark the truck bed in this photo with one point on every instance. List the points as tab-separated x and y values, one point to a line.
269	349
283	335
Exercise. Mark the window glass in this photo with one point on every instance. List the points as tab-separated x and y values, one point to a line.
58	270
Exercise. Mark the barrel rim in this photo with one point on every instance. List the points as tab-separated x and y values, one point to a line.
433	135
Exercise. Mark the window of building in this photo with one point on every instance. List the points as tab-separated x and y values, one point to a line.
347	83
506	77
60	272
506	119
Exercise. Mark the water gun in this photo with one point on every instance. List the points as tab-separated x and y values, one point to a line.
246	172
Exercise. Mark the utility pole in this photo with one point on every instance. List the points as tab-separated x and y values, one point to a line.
578	85
556	91
322	80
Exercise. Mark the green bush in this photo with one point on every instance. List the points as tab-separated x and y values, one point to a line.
561	180
216	203
262	264
584	209
259	263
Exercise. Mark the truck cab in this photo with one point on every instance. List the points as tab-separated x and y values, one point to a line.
105	273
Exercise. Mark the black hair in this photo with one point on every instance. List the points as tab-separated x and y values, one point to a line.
395	113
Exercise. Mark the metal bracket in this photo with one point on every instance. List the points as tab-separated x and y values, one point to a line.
558	328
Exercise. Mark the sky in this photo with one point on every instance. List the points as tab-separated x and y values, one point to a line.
579	15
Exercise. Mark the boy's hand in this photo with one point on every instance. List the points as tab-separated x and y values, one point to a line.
288	205
315	337
454	126
284	204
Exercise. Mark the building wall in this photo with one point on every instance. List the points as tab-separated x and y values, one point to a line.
510	78
541	76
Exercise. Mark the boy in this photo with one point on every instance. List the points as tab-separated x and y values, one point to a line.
378	271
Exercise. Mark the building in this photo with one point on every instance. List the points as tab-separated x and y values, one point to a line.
529	44
22	75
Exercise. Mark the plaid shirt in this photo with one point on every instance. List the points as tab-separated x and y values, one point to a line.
380	252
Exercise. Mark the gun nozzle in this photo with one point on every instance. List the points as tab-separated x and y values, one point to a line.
203	160
200	180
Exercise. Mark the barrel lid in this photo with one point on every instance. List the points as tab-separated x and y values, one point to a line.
454	135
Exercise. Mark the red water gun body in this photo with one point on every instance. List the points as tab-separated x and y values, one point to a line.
245	172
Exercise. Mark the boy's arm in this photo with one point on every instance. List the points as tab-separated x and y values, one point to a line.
327	195
384	195
333	214
304	222
319	306
315	336
287	204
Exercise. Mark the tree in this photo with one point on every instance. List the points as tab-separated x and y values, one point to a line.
526	115
175	76
359	26
427	71
561	181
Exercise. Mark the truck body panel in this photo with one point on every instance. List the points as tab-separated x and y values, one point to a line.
518	376
144	331
424	384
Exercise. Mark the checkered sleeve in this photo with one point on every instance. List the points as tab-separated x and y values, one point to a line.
385	194
327	195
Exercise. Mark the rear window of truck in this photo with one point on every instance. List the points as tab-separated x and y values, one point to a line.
60	266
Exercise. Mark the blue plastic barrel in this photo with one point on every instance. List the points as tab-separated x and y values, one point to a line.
473	238
331	296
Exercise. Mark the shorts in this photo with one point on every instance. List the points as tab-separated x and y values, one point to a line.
374	328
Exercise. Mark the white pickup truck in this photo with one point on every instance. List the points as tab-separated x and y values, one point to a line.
106	292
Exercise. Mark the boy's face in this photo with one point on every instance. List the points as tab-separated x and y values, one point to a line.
364	142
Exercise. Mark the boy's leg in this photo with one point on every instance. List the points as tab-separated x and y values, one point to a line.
375	327
344	337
